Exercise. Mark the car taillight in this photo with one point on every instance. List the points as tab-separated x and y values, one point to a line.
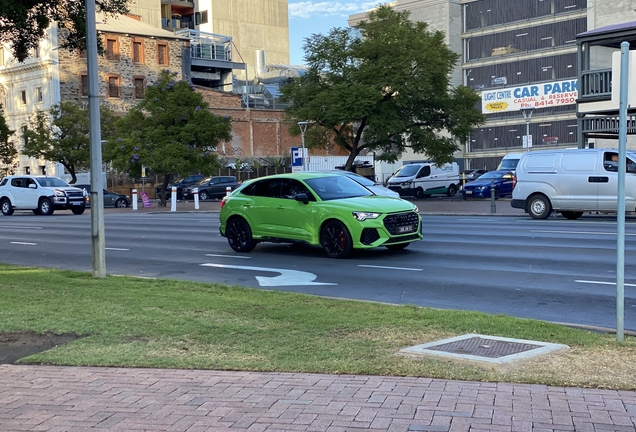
222	202
514	181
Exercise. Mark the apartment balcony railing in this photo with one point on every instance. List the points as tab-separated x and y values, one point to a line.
596	85
208	46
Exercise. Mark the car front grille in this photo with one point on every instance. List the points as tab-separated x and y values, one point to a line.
369	235
75	194
394	222
402	239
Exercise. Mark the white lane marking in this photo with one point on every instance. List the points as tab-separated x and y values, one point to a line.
228	256
20	227
117	249
286	277
24	243
578	232
390	268
602	283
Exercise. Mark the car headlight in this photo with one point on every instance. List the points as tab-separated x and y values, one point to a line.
60	193
415	209
361	216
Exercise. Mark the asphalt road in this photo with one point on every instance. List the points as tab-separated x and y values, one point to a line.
554	270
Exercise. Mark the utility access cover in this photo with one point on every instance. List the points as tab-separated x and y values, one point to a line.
481	348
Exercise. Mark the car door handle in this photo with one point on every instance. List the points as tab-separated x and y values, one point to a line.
598	179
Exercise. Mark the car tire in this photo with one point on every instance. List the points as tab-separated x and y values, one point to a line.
78	211
452	190
419	193
397	247
335	239
45	207
239	235
121	203
572	215
539	207
7	208
203	195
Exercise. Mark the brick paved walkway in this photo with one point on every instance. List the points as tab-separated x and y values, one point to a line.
51	398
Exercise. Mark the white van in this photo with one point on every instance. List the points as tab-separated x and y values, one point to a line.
425	179
572	181
509	162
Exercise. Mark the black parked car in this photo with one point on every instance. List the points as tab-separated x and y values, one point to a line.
211	187
188	181
111	199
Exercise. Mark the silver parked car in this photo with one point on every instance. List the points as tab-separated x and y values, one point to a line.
111	199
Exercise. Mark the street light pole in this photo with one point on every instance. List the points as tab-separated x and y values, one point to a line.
303	128
527	115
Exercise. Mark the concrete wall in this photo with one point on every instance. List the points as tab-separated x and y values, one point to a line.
253	25
148	10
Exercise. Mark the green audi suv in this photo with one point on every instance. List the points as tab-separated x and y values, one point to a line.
321	209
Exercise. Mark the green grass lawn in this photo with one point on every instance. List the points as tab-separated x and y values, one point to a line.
162	323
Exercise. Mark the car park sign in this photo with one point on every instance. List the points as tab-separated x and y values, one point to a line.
297	159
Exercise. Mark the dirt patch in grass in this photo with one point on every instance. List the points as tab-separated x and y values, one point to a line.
14	346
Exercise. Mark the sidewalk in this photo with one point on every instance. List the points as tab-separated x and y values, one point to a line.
52	398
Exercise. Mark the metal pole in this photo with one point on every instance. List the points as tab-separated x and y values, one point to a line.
97	184
528	132
620	212
303	127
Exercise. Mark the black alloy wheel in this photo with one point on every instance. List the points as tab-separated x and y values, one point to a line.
239	235
336	240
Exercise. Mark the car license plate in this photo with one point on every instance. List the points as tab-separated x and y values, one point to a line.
405	229
469	192
76	203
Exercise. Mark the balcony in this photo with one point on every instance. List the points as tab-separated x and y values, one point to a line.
595	85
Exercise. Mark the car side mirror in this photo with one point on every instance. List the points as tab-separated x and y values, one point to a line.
32	186
302	197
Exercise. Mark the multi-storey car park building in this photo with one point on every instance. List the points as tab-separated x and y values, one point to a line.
523	54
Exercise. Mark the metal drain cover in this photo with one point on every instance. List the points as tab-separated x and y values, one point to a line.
481	348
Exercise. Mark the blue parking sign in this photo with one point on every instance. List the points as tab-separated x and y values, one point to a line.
297	159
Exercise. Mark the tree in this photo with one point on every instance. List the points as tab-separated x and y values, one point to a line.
171	131
63	136
8	152
382	86
23	23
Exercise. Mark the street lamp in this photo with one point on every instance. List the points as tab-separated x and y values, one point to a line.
527	114
303	127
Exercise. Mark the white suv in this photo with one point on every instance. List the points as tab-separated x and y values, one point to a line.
41	194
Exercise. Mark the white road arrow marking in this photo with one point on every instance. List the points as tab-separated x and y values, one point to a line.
286	277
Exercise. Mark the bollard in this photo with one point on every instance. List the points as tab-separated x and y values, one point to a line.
195	193
134	199
173	199
493	206
228	190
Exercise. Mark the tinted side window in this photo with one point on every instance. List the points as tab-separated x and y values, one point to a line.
18	182
424	172
3	182
267	188
290	188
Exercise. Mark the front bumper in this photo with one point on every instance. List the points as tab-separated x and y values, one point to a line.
518	203
394	228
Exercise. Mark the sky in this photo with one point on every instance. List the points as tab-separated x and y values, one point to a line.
307	17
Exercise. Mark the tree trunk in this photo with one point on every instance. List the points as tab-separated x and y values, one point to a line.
352	157
164	189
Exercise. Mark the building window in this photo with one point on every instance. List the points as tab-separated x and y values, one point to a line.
23	98
36	52
138	52
42	170
27	171
112	49
139	87
162	54
84	85
113	86
201	17
39	97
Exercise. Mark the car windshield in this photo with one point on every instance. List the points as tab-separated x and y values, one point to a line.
407	171
509	164
361	179
337	187
51	182
203	181
491	176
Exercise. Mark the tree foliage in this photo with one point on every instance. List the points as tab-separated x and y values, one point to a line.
8	152
171	131
23	23
63	136
383	86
